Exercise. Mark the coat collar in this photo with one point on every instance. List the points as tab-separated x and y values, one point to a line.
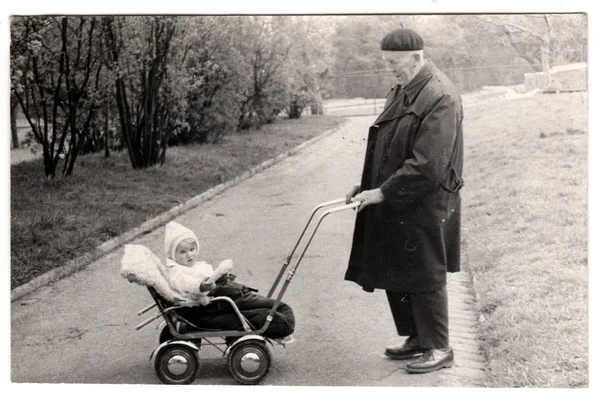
410	92
415	86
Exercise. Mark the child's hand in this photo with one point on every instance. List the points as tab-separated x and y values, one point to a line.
224	267
204	300
207	285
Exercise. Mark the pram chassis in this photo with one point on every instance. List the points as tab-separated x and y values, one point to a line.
176	361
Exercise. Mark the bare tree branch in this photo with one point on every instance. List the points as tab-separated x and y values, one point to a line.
504	25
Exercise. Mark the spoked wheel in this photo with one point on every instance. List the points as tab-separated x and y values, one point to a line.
249	362
176	364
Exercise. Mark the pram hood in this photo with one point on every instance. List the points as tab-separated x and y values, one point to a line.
141	266
175	233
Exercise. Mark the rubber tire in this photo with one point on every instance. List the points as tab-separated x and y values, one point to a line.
239	350
160	366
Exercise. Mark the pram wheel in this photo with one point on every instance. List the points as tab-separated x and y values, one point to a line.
249	362
165	335
176	364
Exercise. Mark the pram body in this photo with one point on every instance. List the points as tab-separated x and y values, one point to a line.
176	361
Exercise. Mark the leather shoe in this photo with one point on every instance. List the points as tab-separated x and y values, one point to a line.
432	360
409	349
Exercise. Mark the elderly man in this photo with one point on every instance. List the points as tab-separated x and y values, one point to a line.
407	232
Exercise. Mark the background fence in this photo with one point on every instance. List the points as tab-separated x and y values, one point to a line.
376	83
354	107
364	91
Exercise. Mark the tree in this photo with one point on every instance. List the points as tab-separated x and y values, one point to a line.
263	56
544	39
528	34
358	69
211	77
309	61
14	136
568	42
147	84
470	53
474	50
55	71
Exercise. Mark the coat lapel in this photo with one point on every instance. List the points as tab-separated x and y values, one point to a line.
393	106
399	104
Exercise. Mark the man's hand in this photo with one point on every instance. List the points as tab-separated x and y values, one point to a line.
353	191
369	197
207	285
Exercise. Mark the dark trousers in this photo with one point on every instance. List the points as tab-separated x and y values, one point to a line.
220	315
421	314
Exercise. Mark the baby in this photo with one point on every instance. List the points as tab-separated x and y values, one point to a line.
196	280
191	279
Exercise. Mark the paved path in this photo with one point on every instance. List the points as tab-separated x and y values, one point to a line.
81	329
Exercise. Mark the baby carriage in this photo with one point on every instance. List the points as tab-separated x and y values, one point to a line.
175	359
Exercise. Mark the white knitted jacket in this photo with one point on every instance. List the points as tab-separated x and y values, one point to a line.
177	283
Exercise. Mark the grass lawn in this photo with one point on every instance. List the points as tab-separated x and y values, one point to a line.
525	236
58	220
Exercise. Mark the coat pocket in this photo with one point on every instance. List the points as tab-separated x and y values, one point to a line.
451	181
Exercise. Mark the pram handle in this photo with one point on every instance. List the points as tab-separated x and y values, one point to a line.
314	211
246	327
353	205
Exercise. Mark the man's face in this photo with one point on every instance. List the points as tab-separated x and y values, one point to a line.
403	65
186	253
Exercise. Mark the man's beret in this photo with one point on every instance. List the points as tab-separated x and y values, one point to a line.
402	39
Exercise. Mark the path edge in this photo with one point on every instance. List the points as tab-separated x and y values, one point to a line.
148	226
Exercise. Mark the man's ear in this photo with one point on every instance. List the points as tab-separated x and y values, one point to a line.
417	57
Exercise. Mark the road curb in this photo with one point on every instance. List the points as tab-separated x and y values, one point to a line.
84	260
469	370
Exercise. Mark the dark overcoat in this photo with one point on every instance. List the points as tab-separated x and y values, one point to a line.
414	154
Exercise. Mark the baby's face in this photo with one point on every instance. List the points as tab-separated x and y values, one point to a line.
186	253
